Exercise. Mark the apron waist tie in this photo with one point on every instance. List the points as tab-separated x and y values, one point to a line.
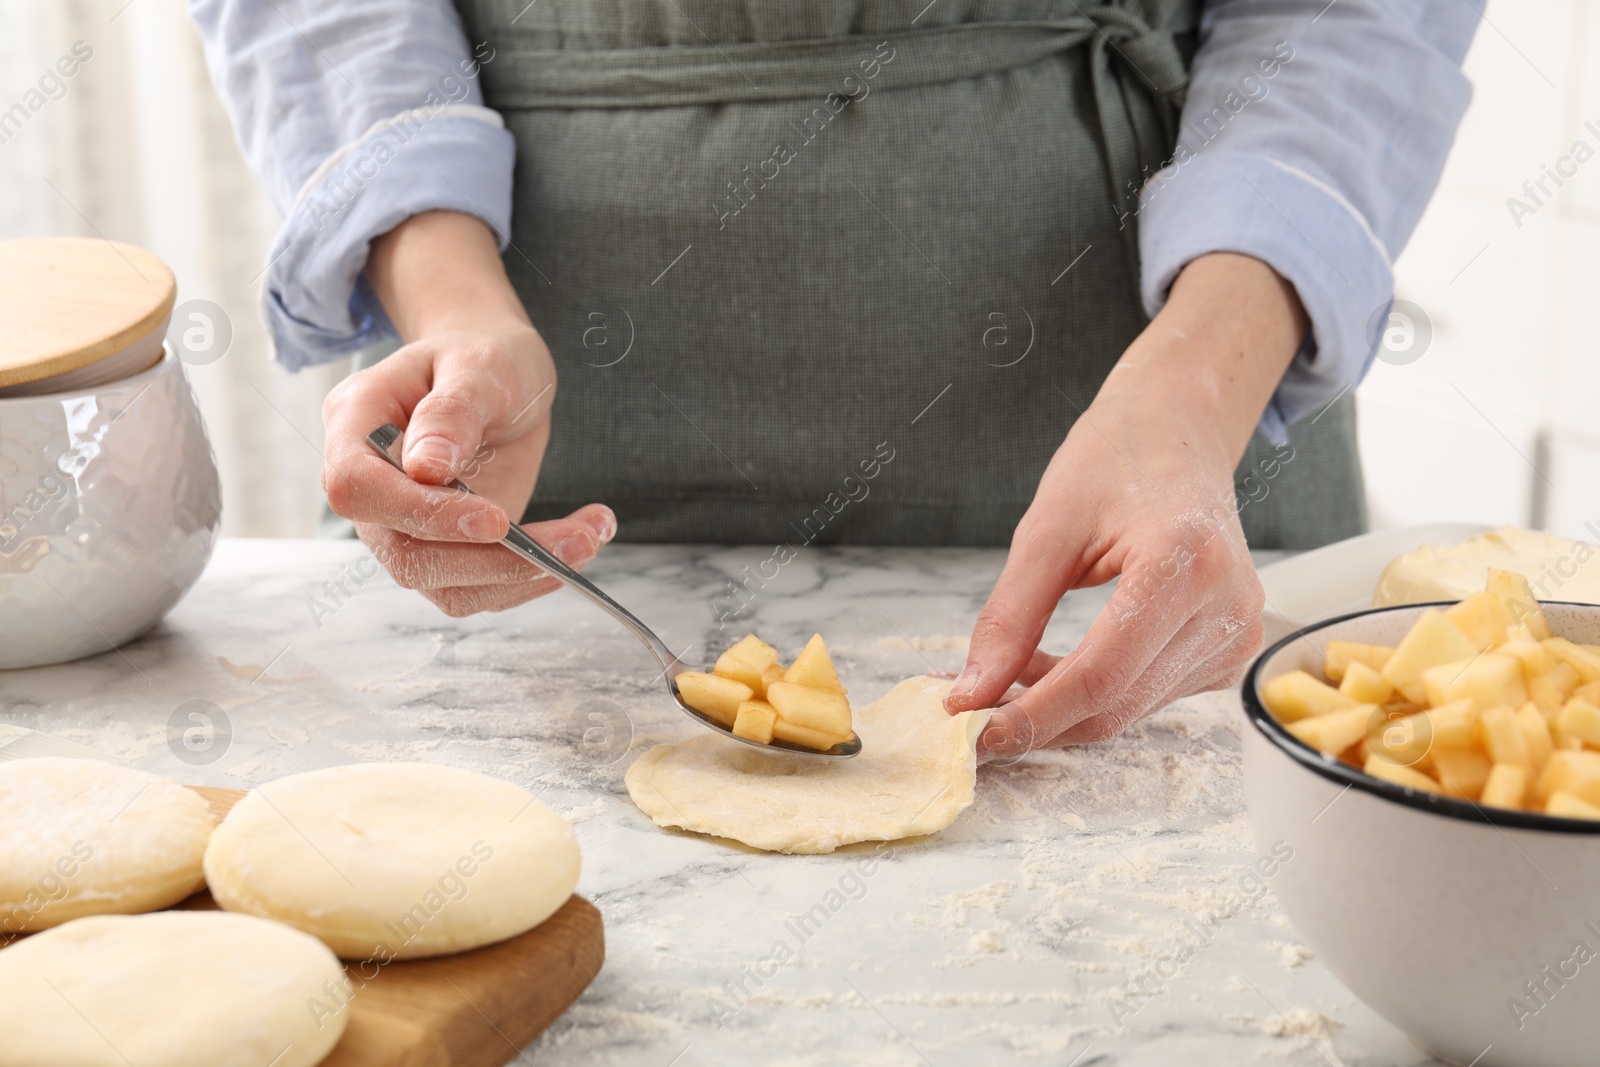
529	78
739	72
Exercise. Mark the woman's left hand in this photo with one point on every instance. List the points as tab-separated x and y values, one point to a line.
1143	489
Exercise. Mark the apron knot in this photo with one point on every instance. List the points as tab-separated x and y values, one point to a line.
1150	52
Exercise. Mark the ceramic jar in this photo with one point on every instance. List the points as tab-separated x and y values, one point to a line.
109	496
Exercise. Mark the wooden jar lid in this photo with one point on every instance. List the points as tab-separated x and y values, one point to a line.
67	302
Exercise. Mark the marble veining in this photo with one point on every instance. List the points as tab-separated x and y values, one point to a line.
1087	909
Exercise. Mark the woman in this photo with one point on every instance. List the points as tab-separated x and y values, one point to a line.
1089	281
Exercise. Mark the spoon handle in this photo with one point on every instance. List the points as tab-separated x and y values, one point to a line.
388	440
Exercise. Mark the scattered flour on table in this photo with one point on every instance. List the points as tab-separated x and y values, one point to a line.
253	673
613	1022
586	811
288	735
118	738
1039	1041
982	999
1158	857
1310	1029
1292	955
1180	765
954	906
1060	1041
892	1056
806	1000
988	942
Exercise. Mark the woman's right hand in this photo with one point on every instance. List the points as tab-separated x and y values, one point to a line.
472	389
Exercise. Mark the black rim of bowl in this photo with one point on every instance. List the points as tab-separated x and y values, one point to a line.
1335	770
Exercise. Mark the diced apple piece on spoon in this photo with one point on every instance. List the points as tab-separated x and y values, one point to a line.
755	720
814	668
746	661
800	735
714	695
815	709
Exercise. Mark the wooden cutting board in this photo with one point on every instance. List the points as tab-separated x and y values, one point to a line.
475	1009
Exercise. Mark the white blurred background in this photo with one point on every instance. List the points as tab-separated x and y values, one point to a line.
139	149
1497	421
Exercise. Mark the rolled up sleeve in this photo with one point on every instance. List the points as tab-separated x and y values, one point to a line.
355	115
1312	137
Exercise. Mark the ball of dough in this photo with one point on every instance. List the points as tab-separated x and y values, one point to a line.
178	988
387	861
82	837
914	775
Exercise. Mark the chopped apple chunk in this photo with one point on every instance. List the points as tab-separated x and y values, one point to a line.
772	674
815	709
814	667
1569	771
1379	767
746	661
1482	618
1517	602
1536	734
1297	695
1461	771
1579	658
1570	807
1365	685
1536	659
751	692
1340	654
1507	785
1453	725
755	720
1335	731
712	694
1502	738
799	735
1487	679
1581	719
1551	689
1432	641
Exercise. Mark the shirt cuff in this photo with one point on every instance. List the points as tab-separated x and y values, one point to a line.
1296	224
316	304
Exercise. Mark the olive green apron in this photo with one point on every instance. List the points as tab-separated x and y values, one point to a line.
845	271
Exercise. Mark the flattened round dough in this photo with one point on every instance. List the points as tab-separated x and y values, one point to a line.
914	776
83	837
176	988
388	861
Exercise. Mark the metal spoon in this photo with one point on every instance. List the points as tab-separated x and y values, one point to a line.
389	442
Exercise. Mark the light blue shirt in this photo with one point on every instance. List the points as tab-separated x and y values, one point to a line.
1312	137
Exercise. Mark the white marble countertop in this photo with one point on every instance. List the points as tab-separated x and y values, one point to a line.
1004	939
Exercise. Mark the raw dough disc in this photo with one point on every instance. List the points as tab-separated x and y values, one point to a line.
914	776
390	861
83	837
1558	569
176	988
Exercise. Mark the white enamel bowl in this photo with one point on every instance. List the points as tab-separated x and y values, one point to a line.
109	507
1475	931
